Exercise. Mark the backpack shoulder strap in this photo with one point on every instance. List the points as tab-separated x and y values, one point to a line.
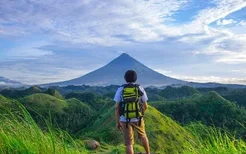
139	90
123	85
135	85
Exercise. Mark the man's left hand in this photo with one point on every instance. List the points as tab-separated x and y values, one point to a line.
119	126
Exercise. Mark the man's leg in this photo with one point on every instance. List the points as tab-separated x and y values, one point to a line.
145	143
128	137
129	149
142	135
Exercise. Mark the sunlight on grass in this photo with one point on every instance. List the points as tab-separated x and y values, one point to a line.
19	133
213	141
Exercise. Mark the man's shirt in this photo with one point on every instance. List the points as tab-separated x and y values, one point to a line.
118	98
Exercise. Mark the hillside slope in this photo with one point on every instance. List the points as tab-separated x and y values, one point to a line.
179	92
70	114
238	96
165	135
211	109
3	99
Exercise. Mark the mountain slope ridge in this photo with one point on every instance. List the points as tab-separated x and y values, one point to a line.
5	83
113	74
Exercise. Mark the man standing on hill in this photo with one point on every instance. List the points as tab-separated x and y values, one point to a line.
131	103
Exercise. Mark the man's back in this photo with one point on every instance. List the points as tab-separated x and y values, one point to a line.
125	122
119	98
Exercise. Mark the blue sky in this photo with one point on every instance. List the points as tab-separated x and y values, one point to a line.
55	40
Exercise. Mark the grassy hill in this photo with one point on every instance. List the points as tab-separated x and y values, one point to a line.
164	134
22	135
220	90
238	96
210	109
176	93
44	103
3	99
69	114
20	93
19	133
95	101
7	105
54	93
77	115
14	93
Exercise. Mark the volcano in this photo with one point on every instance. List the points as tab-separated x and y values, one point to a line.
113	74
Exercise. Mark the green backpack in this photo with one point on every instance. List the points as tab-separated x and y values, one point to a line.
130	105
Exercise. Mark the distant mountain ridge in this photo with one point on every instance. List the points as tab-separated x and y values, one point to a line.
113	74
5	83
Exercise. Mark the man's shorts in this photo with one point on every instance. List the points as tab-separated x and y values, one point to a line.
128	133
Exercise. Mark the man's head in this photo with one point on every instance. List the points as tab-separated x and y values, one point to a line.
130	76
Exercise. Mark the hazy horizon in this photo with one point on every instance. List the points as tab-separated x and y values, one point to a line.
50	40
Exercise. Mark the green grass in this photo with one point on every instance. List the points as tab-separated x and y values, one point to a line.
210	109
210	140
3	99
165	135
20	134
44	103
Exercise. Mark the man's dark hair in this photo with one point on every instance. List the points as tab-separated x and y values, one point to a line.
130	76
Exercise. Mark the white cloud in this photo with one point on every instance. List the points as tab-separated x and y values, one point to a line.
165	72
216	79
214	41
226	22
26	51
202	74
119	23
27	76
243	71
2	83
242	23
98	22
228	49
90	21
222	9
233	58
210	34
206	79
1	31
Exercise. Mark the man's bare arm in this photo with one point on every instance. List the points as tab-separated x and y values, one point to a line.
117	115
145	106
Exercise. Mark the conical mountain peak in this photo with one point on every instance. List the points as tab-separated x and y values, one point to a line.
113	73
123	60
125	55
